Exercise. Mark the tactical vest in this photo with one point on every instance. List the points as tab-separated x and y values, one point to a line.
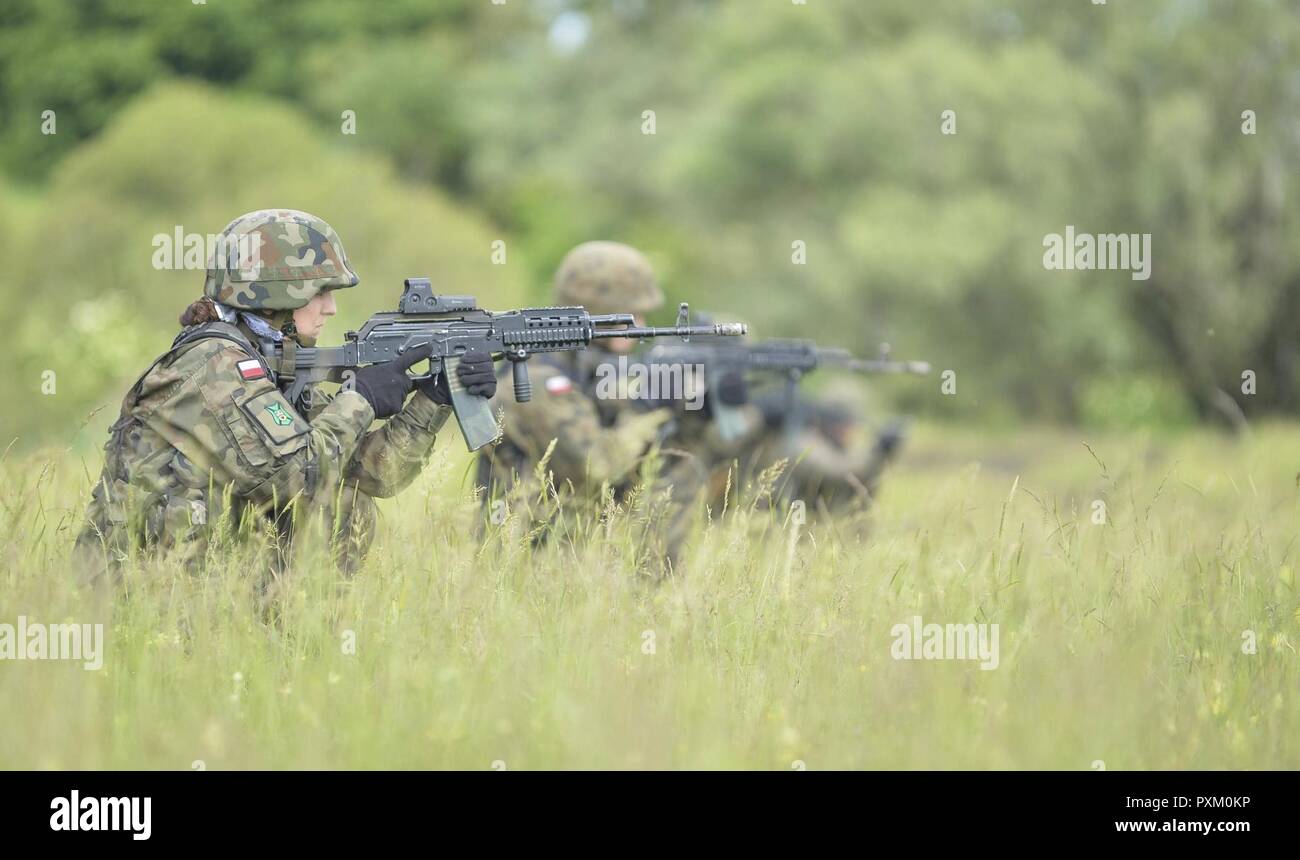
116	498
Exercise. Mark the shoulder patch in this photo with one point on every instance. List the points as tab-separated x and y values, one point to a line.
251	369
558	384
279	414
272	415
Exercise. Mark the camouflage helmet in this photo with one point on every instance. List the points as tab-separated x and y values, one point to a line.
607	277
276	259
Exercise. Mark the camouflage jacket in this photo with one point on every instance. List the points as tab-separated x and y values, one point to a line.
596	441
816	470
614	442
205	435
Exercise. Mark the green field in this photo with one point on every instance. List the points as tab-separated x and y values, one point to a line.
1120	643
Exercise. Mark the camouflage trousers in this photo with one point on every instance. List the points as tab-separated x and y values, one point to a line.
651	517
190	527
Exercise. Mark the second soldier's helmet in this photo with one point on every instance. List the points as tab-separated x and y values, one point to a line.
276	259
608	277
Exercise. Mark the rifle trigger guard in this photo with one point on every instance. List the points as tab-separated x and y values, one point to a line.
433	362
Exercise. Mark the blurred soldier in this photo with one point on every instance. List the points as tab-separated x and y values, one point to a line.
206	437
832	464
592	437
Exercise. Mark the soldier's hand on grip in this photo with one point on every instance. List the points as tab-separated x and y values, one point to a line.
476	373
733	390
385	386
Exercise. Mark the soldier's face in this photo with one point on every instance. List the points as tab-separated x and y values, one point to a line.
840	433
624	345
310	318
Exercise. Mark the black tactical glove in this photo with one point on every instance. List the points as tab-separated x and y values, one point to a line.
891	439
476	373
733	390
386	385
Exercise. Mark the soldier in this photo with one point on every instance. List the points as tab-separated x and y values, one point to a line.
831	464
590	442
205	436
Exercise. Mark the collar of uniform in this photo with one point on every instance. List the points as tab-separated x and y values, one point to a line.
226	313
260	327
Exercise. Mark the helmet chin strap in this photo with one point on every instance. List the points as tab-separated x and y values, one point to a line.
283	321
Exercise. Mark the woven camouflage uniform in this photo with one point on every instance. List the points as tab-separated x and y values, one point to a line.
602	451
654	461
199	446
195	444
827	475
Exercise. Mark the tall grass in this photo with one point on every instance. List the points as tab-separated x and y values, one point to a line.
1121	642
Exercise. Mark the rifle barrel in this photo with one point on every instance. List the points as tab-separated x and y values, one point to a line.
718	329
920	368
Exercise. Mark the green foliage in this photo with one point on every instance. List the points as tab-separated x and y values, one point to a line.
775	123
1133	402
407	100
68	363
86	60
182	156
821	124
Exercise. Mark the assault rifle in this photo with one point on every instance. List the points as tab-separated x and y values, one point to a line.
455	325
787	359
793	358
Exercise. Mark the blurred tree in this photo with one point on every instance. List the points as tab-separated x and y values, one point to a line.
822	126
820	123
85	59
81	295
782	130
1224	295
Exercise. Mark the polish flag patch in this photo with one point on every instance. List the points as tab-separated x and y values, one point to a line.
251	369
558	385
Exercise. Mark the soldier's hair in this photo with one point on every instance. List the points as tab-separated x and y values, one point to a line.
201	310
